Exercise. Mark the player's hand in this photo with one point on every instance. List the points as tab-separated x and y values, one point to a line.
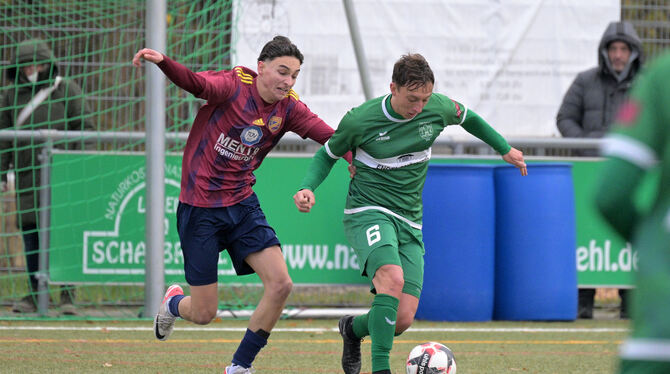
515	157
304	200
352	171
147	54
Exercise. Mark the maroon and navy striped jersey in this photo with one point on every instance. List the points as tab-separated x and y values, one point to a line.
233	132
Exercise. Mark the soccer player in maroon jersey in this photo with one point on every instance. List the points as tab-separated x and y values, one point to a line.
246	114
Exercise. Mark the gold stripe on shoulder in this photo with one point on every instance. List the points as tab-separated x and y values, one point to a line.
293	94
244	77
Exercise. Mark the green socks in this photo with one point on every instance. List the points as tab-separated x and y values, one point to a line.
360	326
381	325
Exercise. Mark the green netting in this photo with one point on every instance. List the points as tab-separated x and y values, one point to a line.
92	178
92	43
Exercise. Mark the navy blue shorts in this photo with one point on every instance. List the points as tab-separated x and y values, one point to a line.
241	229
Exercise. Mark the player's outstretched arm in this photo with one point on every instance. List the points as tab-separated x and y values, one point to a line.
317	171
183	76
515	157
475	125
304	200
147	54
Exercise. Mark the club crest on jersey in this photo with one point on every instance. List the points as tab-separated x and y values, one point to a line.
251	135
426	131
274	124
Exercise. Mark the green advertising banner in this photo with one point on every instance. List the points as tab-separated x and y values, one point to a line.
603	258
98	220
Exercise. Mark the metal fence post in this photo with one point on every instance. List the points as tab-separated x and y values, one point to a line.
154	279
363	70
43	229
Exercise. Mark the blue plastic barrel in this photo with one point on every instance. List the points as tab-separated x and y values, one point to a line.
535	270
458	233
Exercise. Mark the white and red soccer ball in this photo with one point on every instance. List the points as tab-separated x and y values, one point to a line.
431	358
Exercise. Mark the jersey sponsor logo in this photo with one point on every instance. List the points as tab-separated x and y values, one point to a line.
235	149
425	131
258	122
406	157
401	160
628	113
394	162
274	124
251	135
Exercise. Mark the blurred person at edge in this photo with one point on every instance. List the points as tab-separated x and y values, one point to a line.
37	98
590	104
638	149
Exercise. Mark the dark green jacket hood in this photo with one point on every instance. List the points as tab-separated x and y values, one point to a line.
33	51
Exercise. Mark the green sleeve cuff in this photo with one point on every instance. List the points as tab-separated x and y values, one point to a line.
475	125
317	170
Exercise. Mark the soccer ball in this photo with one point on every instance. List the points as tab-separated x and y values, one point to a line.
431	358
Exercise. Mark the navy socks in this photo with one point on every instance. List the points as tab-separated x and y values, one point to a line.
173	304
249	347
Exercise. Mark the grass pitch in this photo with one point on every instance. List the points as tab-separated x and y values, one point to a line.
302	346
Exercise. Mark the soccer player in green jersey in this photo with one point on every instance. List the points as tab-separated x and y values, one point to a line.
391	138
639	141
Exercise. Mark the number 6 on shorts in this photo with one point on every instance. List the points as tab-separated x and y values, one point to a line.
373	234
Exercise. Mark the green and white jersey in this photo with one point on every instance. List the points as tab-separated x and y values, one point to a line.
640	141
642	132
391	153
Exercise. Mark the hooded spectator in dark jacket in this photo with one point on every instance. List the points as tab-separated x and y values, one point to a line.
590	105
38	98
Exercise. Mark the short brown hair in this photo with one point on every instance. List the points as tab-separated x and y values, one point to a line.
412	71
279	46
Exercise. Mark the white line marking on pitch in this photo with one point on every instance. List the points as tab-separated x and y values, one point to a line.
242	329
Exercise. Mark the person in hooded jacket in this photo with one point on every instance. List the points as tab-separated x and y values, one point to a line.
590	105
37	98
